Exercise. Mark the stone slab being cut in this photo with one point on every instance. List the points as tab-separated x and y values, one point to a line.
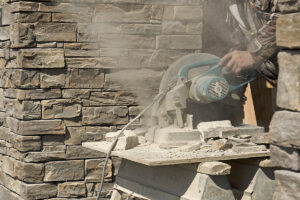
152	155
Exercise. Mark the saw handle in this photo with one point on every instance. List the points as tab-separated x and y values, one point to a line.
183	73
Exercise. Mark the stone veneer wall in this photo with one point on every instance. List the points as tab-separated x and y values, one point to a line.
285	125
59	66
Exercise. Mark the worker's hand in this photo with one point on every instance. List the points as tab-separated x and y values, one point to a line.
238	61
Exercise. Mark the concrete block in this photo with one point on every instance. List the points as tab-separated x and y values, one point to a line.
285	129
127	142
212	129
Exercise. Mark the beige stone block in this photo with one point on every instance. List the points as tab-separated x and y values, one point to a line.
115	115
181	28
71	189
32	17
74	135
64	170
25	6
50	140
76	93
81	17
27	172
214	168
129	13
95	133
285	129
94	169
83	46
126	41
79	152
19	78
41	58
288	93
38	94
112	98
23	109
288	6
87	63
145	29
179	42
36	127
53	79
86	78
21	35
188	13
28	191
45	156
7	15
81	53
288	31
61	108
7	194
4	33
56	32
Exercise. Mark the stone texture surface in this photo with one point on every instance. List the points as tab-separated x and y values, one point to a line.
284	129
61	108
71	189
285	157
64	170
288	93
64	32
287	33
41	58
287	184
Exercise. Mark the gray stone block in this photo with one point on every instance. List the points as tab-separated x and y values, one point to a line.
285	157
287	185
21	35
285	129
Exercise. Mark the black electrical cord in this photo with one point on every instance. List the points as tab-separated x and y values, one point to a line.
157	98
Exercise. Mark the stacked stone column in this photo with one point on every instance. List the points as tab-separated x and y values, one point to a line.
71	71
285	125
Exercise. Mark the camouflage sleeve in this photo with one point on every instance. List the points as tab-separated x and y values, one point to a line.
266	39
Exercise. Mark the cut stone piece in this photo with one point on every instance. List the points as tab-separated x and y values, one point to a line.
242	130
127	142
214	168
212	129
221	145
287	32
246	148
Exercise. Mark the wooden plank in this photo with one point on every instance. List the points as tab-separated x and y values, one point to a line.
250	117
152	156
